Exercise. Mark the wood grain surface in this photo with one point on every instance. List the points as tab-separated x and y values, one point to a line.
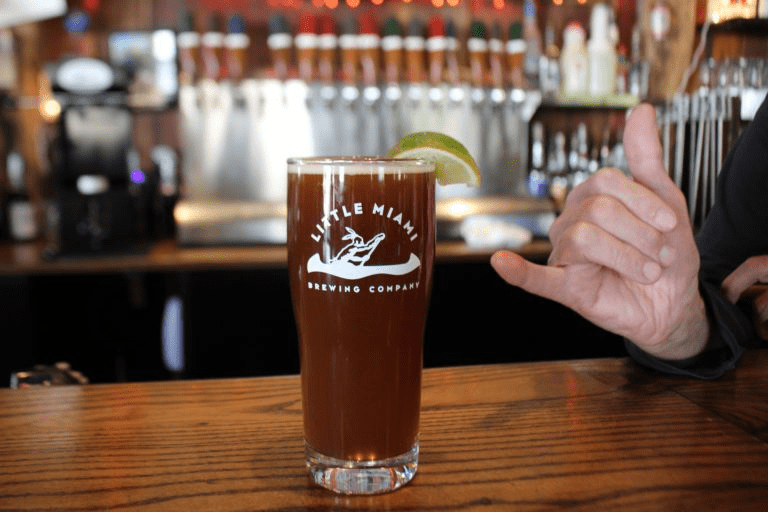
596	435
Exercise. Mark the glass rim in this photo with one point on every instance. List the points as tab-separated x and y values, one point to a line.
347	160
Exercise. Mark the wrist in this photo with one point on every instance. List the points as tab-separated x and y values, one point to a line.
688	339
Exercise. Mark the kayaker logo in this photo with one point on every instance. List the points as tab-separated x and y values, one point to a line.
350	262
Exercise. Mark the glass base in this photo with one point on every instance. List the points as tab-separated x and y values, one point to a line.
362	477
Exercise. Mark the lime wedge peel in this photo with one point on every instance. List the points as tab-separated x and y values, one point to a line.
454	164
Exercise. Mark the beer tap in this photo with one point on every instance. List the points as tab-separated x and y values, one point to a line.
327	45
370	47
495	61
414	52
436	50
213	49
452	54
306	42
477	45
415	73
500	149
236	44
456	109
323	111
392	47
515	50
188	42
682	105
279	43
370	60
348	43
349	119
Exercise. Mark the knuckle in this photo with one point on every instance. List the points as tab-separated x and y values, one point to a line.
607	178
571	244
581	236
556	228
604	209
627	261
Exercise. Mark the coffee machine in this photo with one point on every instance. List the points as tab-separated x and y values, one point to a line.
101	194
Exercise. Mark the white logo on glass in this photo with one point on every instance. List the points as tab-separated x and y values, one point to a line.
350	261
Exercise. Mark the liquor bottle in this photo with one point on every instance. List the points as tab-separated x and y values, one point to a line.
328	42
538	181
622	71
436	50
618	156
516	49
532	36
188	42
605	149
601	49
573	153
477	46
557	170
583	141
236	44
22	221
212	49
306	42
549	64
574	61
279	42
392	47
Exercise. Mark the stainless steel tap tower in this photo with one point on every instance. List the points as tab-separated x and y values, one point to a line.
236	138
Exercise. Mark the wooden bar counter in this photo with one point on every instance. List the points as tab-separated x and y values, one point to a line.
593	435
166	255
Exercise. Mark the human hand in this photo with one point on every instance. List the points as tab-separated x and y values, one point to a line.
623	253
750	281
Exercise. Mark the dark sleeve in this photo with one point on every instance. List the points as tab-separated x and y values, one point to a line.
730	332
735	229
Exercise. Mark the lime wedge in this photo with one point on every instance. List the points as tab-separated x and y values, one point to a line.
454	163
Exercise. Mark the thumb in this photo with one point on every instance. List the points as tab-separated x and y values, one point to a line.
644	153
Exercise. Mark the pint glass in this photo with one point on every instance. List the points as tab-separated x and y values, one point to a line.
361	244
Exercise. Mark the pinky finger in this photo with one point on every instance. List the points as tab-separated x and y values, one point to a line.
545	281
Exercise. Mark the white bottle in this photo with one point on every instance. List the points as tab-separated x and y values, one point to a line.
574	62
602	52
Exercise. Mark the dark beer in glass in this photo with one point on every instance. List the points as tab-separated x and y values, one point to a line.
361	243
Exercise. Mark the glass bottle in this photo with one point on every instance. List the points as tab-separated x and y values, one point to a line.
22	221
538	181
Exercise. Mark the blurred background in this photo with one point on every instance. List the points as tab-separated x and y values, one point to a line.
143	147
